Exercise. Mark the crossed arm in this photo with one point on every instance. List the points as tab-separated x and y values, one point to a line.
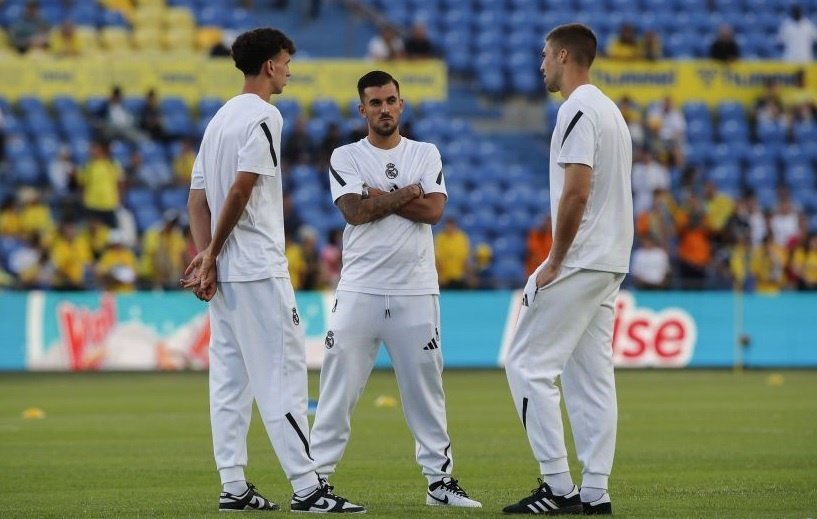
409	202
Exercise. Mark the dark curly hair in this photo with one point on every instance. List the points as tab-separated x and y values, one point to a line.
252	48
375	78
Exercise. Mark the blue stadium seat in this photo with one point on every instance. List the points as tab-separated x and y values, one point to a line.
761	176
112	18
793	155
326	109
48	147
509	272
178	124
799	177
29	105
121	152
85	13
173	198
290	109
146	217
763	153
65	105
208	106
805	133
695	110
136	197
316	129
727	153
18	147
733	130
770	132
26	171
80	149
212	16
725	176
731	110
699	130
508	244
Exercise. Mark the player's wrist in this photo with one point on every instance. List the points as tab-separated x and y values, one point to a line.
364	193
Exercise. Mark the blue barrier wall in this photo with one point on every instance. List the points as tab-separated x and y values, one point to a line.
96	331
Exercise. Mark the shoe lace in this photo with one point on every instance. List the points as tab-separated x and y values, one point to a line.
452	485
540	487
327	492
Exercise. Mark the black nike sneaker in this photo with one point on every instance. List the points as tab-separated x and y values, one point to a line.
543	501
249	500
323	501
447	492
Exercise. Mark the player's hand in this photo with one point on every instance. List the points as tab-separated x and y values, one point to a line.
374	192
547	274
200	276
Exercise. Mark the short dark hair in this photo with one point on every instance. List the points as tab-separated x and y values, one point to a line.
578	39
252	48
375	78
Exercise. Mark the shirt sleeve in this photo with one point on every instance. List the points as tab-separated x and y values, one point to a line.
197	178
578	144
433	180
259	154
343	177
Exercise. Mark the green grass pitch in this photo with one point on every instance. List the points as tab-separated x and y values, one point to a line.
691	444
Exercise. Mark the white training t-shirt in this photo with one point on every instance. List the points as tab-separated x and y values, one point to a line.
392	255
798	39
245	135
590	130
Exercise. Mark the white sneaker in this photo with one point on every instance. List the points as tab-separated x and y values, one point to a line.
447	492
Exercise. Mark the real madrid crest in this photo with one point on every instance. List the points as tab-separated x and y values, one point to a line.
391	171
330	339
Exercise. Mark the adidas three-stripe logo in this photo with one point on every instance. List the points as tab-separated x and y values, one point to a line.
432	345
542	506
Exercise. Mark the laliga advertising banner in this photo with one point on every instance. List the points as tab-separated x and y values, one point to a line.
642	337
170	331
142	331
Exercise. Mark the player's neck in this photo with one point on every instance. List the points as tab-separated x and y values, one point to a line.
573	79
258	86
384	142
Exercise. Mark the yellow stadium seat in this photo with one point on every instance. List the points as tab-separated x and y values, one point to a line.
181	39
114	38
151	3
146	38
177	17
87	39
149	16
4	42
206	37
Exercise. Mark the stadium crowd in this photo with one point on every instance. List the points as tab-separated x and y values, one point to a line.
695	228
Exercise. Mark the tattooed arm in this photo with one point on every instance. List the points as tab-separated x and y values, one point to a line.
426	209
358	210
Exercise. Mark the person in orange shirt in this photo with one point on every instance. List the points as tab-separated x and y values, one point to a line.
694	248
540	240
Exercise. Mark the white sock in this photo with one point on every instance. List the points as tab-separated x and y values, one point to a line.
590	494
307	491
560	484
235	488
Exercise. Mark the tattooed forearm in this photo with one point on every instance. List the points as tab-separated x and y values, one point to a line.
358	211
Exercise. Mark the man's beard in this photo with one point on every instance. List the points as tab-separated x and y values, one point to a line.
385	131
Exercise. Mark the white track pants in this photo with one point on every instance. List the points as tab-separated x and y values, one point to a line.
567	329
257	351
409	327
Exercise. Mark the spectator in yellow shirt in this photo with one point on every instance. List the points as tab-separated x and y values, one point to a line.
183	163
96	235
64	40
116	269
767	264
10	218
624	46
804	264
453	251
101	181
163	253
71	257
296	262
35	216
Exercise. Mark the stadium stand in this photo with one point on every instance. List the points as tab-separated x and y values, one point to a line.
498	44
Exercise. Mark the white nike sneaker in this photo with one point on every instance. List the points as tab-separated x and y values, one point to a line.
249	500
323	501
447	492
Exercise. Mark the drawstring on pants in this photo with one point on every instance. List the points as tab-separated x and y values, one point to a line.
388	310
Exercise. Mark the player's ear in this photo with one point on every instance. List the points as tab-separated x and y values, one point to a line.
361	110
